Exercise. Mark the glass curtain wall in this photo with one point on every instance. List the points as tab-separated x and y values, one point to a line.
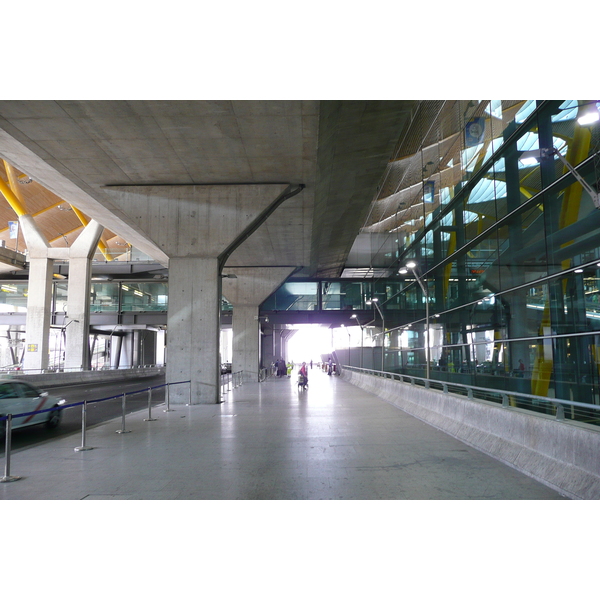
339	294
509	252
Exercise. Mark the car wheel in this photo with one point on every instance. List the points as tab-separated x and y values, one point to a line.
54	419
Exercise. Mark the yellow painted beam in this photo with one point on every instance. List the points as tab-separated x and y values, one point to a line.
39	212
528	192
60	237
14	184
11	198
543	363
578	151
80	215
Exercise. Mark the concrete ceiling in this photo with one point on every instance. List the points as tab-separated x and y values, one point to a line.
76	151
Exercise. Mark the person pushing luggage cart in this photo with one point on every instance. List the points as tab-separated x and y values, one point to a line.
302	377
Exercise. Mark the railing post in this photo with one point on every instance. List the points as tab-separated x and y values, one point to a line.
168	409
83	428
7	443
149	406
560	412
445	387
123	430
222	392
505	401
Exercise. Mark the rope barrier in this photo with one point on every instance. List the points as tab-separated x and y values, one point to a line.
9	418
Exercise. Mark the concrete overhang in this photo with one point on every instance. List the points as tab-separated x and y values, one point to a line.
339	150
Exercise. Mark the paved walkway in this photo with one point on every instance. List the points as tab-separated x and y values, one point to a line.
268	441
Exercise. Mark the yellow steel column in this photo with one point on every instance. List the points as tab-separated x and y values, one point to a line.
578	151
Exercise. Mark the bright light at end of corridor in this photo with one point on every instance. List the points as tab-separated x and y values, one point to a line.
309	343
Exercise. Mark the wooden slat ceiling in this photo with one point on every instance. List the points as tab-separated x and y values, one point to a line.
55	218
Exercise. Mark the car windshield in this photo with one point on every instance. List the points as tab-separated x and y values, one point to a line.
25	390
7	391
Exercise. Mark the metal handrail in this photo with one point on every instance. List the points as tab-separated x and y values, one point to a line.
50	370
558	403
236	379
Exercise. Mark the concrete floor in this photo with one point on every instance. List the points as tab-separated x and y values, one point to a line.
268	441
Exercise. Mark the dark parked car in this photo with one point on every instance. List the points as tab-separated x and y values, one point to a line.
225	368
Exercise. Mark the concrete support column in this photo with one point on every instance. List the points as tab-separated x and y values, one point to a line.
39	299
77	322
37	324
198	227
147	347
39	307
249	288
77	354
126	356
280	344
116	343
246	341
266	345
193	327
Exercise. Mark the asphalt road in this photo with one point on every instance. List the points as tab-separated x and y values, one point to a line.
97	412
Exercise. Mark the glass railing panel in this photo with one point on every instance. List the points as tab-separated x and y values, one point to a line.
143	297
301	295
344	295
104	297
13	296
591	291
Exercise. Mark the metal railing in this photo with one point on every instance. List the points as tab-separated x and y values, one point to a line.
234	380
16	371
84	404
230	382
561	409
